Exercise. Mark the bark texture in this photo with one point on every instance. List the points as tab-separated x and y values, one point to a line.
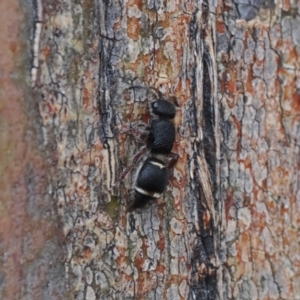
79	80
31	252
258	71
99	63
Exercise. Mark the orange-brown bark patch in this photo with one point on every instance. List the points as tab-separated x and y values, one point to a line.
220	26
46	51
86	98
138	3
134	28
296	102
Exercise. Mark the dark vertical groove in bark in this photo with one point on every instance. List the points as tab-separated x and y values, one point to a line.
204	284
106	83
193	109
209	141
104	86
106	74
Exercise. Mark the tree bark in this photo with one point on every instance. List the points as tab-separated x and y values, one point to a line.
31	253
227	227
98	65
258	67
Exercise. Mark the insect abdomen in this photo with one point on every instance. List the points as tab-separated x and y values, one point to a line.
151	182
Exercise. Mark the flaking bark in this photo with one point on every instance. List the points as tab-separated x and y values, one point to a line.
258	72
99	65
227	227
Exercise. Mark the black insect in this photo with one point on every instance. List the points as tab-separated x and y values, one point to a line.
152	177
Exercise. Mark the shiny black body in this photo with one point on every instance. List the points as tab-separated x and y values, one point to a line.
152	181
162	136
140	200
164	109
152	178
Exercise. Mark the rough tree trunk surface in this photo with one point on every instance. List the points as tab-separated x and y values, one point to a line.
31	253
228	225
258	70
91	55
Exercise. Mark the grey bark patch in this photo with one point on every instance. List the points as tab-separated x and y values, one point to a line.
270	66
246	11
295	22
222	42
238	49
257	3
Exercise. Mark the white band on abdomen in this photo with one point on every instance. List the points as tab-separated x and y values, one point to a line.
146	193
